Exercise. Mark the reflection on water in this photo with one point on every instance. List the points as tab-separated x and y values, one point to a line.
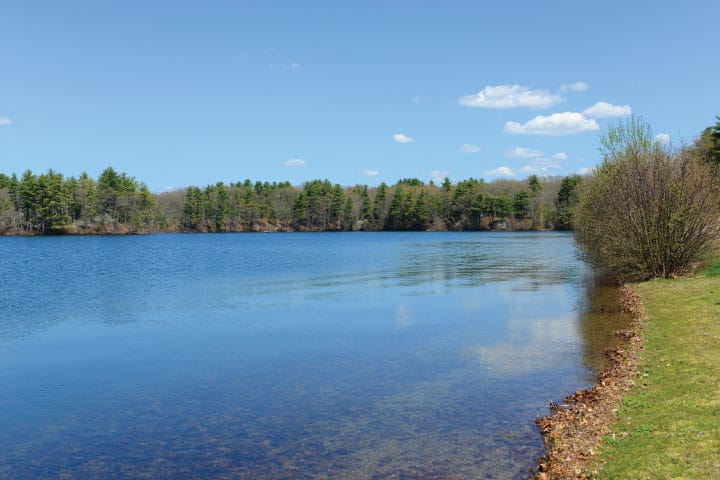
290	356
600	318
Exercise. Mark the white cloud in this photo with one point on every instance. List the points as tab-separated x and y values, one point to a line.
519	352
371	173
542	166
510	96
605	110
5	121
401	138
295	66
539	163
522	152
540	169
295	162
439	174
574	87
585	170
530	169
566	123
500	172
416	98
470	148
662	139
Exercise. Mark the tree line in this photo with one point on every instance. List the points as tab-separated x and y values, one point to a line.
648	209
51	203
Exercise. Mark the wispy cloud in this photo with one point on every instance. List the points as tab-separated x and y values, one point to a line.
292	67
518	352
574	87
510	96
439	174
540	169
295	162
557	124
402	138
605	110
522	152
371	173
585	170
662	139
544	165
500	172
5	121
470	148
539	163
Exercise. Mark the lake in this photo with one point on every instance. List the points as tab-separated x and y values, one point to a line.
291	356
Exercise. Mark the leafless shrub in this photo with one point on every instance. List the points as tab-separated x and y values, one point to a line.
648	211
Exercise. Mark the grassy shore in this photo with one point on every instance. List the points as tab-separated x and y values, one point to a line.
669	424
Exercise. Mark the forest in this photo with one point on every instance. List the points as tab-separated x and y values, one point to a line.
116	203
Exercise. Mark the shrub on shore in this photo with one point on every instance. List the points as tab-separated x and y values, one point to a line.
648	211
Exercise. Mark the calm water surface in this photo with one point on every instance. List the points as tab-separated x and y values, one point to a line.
290	356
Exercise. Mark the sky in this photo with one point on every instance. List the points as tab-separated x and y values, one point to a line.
178	93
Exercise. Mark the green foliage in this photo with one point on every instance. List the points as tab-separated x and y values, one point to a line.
118	203
379	207
631	138
567	199
710	143
534	185
321	206
497	207
521	204
647	211
53	197
394	219
411	182
367	209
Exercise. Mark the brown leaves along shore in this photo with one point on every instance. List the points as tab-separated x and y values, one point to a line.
573	432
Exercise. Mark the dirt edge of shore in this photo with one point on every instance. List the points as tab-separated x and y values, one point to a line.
573	431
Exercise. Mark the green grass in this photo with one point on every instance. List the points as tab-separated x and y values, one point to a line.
669	424
712	269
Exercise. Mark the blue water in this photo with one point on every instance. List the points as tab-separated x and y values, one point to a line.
286	356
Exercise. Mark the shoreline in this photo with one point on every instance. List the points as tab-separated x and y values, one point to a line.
109	232
572	434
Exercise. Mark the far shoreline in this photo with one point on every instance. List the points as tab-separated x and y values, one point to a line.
117	232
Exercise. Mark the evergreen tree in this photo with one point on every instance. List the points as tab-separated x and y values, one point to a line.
710	141
536	189
394	220
567	198
367	210
53	209
348	216
193	211
420	213
378	210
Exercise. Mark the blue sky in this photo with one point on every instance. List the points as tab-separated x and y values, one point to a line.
179	93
